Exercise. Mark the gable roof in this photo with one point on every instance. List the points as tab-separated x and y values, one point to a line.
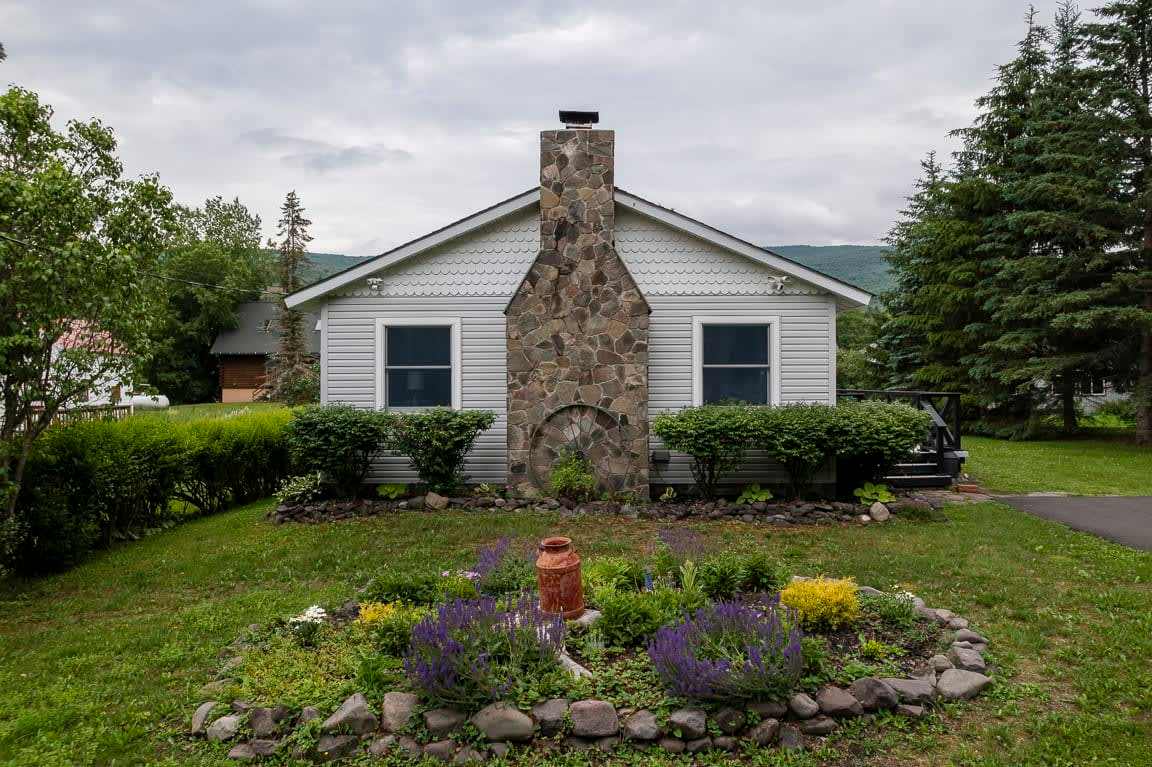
255	331
847	293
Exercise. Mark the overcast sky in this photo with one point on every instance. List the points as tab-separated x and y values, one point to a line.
782	121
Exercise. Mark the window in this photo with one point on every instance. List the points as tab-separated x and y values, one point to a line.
418	363
735	360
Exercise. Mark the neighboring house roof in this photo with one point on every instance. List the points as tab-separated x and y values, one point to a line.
255	332
847	293
83	335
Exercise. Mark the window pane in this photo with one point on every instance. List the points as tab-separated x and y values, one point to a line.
419	345
735	345
748	385
419	388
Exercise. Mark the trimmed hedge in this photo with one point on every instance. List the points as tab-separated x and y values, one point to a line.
338	441
90	484
437	440
865	438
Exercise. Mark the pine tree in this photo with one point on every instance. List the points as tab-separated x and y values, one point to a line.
1119	52
290	374
1054	235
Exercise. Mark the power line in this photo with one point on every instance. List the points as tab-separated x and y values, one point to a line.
43	249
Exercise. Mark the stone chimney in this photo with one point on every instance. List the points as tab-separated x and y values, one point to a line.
577	327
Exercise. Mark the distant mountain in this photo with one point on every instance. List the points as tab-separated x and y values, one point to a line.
860	265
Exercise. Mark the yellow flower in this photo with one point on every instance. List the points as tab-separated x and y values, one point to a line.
823	602
372	613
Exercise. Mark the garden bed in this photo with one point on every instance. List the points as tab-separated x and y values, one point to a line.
796	512
687	650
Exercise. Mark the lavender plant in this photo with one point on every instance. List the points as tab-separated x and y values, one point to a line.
500	570
474	651
731	650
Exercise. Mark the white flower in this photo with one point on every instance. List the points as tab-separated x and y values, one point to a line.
314	614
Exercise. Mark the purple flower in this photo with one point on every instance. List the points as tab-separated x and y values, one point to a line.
490	557
730	650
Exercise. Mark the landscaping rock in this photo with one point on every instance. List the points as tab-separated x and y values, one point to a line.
503	721
499	750
353	717
957	623
608	744
967	635
470	755
967	659
333	747
868	591
672	745
443	720
873	694
200	717
593	719
579	744
224	728
790	738
765	733
309	713
802	705
443	750
940	663
915	691
725	743
381	746
692	723
265	722
641	725
834	701
729	720
587	620
242	752
435	501
770	710
409	745
550	715
820	725
959	684
572	667
879	512
913	712
397	711
698	745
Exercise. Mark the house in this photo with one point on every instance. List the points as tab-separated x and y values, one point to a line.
576	311
241	353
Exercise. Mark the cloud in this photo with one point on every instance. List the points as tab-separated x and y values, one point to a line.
783	122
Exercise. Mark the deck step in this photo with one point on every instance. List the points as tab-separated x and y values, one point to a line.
918	480
927	467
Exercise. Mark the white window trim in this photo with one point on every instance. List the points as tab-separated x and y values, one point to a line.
381	357
773	323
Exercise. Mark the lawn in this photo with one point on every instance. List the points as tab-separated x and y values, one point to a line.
101	665
1078	466
206	410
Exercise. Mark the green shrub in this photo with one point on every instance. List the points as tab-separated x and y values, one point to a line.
721	575
615	573
234	459
510	575
89	484
572	477
760	573
305	488
870	436
799	437
753	493
436	442
715	436
338	441
392	491
896	609
870	493
630	618
407	588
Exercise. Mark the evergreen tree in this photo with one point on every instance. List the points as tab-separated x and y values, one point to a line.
1051	242
1119	52
290	374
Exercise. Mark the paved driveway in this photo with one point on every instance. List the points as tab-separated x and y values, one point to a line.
1126	520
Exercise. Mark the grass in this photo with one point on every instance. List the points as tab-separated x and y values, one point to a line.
101	665
1079	467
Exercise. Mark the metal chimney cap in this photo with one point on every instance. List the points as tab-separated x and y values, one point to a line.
576	119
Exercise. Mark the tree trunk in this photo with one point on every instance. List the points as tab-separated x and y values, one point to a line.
1068	400
1143	391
